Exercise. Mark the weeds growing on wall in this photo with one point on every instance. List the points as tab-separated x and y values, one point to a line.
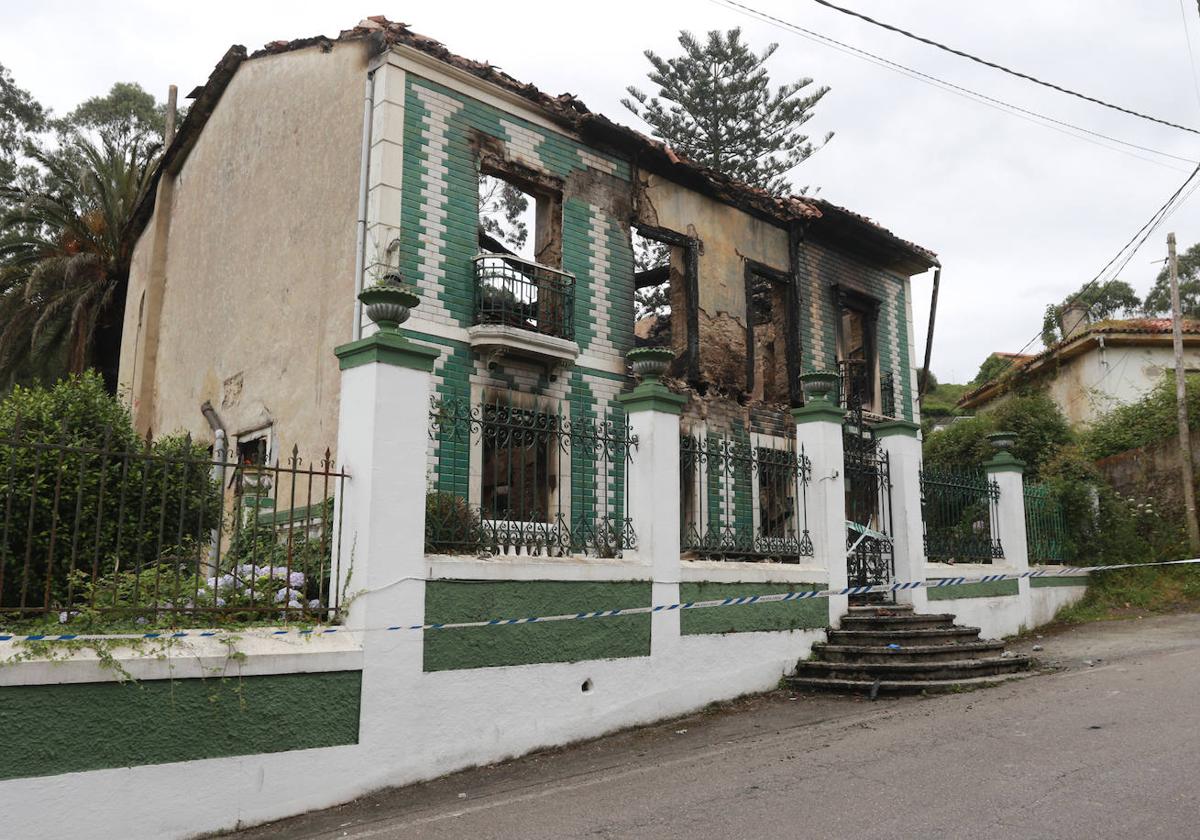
1149	420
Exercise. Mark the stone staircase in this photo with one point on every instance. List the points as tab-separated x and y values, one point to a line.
889	649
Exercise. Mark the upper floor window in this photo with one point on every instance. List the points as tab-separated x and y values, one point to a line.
857	351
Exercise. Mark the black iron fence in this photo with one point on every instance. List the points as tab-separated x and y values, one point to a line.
528	479
518	293
744	502
1045	526
959	511
148	534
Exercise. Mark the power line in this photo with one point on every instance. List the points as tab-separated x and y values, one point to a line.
937	44
1191	55
975	96
1129	249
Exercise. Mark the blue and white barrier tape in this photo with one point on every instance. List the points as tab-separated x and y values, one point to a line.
777	597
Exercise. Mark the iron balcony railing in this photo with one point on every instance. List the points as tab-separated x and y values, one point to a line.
148	534
527	479
959	508
743	502
519	293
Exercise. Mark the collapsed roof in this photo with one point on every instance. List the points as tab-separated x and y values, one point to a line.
566	110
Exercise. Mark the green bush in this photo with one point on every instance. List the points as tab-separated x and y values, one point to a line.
1040	427
1150	419
79	490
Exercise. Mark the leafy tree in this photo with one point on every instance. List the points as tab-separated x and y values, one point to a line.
716	106
1113	299
126	112
21	118
1158	299
992	366
64	258
502	209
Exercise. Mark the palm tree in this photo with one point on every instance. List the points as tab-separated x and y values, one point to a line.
64	259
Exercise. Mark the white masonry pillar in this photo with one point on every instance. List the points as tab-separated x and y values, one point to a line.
383	440
653	486
901	442
819	437
1008	520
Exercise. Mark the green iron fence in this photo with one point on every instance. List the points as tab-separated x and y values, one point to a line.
959	511
540	481
1045	526
743	502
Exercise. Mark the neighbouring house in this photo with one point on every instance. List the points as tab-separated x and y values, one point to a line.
1096	368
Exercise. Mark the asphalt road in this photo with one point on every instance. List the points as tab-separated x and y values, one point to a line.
1107	746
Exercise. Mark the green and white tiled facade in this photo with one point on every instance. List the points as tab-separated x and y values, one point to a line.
818	317
437	229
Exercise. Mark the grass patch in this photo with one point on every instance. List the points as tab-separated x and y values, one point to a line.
1126	593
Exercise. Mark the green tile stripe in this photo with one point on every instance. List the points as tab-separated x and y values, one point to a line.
1042	582
524	644
67	728
807	614
990	589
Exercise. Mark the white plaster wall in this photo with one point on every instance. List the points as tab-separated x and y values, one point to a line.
1101	379
1046	601
995	617
447	721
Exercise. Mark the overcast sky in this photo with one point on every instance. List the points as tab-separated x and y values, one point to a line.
1020	214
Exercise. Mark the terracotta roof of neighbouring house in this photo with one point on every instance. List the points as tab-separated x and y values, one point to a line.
1129	331
565	109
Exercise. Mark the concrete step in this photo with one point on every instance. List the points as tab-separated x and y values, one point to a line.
920	636
953	669
881	609
912	621
825	652
897	687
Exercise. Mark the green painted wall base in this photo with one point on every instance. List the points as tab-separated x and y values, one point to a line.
1039	582
617	637
808	614
991	589
51	729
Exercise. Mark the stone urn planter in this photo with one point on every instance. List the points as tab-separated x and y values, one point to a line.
818	386
1002	441
650	363
389	302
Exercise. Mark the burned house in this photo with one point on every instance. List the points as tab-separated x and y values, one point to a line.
312	168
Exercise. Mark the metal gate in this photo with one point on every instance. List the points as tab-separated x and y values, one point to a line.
869	547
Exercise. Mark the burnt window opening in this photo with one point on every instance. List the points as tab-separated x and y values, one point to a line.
518	277
857	350
652	261
769	342
519	464
776	494
252	452
683	298
520	212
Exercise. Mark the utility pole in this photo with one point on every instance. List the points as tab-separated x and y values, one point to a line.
1185	438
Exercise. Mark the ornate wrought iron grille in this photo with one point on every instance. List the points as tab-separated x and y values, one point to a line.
744	502
870	558
148	533
1045	527
959	511
887	394
538	482
523	294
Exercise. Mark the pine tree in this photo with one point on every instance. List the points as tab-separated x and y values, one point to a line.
716	106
